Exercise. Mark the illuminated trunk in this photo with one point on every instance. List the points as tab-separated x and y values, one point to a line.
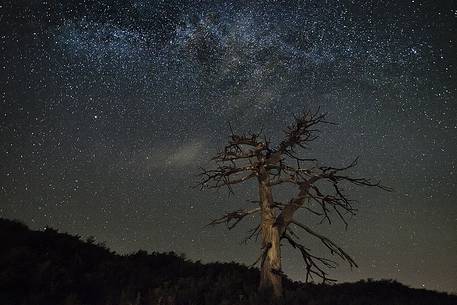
270	270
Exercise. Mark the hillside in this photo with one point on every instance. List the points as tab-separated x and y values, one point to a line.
48	267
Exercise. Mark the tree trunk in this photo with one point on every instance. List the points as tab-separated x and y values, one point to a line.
270	273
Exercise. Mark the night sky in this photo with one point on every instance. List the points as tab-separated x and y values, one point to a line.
108	108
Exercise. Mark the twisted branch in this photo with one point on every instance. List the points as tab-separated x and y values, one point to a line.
231	219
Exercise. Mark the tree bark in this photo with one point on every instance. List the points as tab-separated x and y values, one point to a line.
270	273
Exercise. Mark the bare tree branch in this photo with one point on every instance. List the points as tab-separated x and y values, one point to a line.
314	265
231	219
225	176
300	133
254	232
334	248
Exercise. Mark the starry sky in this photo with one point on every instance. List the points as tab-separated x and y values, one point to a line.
108	108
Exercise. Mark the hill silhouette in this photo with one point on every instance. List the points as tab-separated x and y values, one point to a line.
48	267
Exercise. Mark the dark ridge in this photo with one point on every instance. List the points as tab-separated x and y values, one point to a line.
48	267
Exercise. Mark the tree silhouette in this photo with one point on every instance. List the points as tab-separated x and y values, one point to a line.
247	157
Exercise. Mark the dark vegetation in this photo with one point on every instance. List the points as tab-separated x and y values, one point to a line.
47	267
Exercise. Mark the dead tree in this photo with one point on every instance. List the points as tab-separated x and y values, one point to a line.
247	157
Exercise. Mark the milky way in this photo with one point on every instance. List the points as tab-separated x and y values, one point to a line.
110	107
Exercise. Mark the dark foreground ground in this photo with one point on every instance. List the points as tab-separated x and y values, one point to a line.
51	268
